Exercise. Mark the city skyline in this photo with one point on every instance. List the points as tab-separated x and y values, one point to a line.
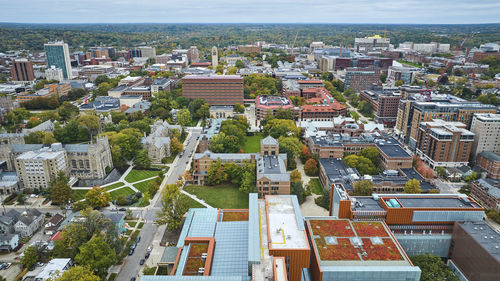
259	11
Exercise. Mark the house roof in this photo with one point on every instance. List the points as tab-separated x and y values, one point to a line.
56	219
269	141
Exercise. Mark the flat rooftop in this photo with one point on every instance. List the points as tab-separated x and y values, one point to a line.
284	223
488	238
391	148
362	243
437	202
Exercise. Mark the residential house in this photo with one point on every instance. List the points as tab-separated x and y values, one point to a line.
8	242
8	221
53	224
29	222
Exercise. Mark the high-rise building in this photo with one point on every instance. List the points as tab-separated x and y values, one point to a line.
486	128
22	70
405	74
193	55
384	103
444	144
214	89
215	57
57	54
371	44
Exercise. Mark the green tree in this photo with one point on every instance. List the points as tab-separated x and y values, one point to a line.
399	83
175	146
20	198
216	173
184	117
323	200
142	160
78	273
90	122
97	255
433	268
441	171
60	191
412	186
298	190
174	206
98	197
239	108
281	127
30	257
365	108
239	64
363	188
383	77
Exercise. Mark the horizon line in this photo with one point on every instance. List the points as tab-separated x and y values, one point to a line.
292	23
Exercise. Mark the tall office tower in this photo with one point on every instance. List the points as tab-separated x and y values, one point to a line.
193	54
22	70
57	54
215	57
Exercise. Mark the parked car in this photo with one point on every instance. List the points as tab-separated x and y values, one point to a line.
137	239
132	279
8	265
122	209
131	252
2	265
142	261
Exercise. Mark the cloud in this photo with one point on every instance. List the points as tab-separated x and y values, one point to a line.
254	11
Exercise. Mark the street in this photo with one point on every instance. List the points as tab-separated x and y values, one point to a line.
131	267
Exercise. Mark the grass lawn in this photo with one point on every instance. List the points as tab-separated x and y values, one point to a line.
316	187
193	203
79	194
221	196
170	159
143	186
132	223
252	145
125	191
140	225
113	186
137	175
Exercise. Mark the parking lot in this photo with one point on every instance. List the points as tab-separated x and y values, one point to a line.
11	272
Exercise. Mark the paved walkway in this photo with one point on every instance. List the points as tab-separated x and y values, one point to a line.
309	207
202	202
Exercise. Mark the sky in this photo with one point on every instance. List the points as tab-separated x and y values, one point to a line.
251	11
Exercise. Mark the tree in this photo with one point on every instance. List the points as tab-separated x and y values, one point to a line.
298	190
433	268
383	77
72	237
239	64
142	160
311	167
78	273
305	154
399	83
30	257
295	176
412	186
20	198
281	127
60	191
174	206
40	137
184	117
290	144
239	108
363	188
441	171
175	146
323	200
216	173
365	108
90	122
97	255
371	153
98	197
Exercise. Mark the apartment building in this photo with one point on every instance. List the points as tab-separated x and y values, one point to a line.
486	128
384	102
405	74
57	54
448	109
269	104
444	144
214	89
36	169
361	78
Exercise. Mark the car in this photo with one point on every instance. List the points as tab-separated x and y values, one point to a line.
132	279
142	261
131	252
147	255
137	239
8	265
122	209
2	265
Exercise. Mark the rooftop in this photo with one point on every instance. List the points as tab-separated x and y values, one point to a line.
490	155
391	148
284	223
437	202
488	238
212	77
360	243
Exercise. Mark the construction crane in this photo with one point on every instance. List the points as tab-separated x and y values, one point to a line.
448	64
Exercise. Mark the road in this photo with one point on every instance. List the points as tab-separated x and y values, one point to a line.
448	187
131	267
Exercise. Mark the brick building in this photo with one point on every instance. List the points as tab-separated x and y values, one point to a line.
22	70
249	49
444	144
490	163
320	105
487	191
384	102
361	78
214	89
269	104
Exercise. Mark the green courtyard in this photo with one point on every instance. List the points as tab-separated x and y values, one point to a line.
252	145
221	196
137	175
